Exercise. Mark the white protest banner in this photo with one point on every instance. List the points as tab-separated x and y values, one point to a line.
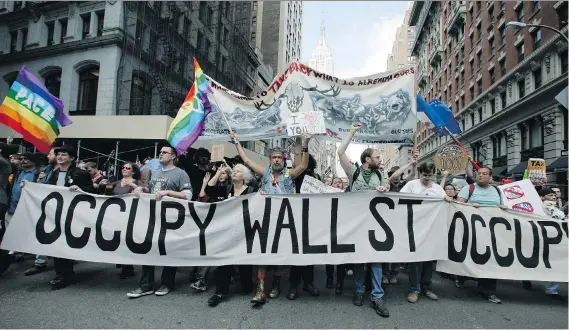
252	230
384	103
487	242
522	196
305	122
311	185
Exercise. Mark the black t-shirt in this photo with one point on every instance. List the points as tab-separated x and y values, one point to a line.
196	179
221	193
396	187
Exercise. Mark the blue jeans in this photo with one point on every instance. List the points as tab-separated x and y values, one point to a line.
551	287
420	275
359	279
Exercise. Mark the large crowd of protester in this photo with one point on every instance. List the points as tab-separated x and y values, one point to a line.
193	176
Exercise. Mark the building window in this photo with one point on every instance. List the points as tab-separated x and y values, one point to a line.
521	88
520	13
503	100
503	68
13	41
536	6
480	115
471	119
202	12
537	78
503	35
50	33
524	138
63	31
493	106
101	23
471	93
462	101
492	76
479	30
536	134
53	84
463	122
18	5
479	86
86	25
254	20
491	42
253	36
140	96
479	61
520	52
536	36
88	86
563	57
24	38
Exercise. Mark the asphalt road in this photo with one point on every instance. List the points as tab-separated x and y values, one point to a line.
99	300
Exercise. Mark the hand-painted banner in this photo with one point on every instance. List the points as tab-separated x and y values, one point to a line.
490	243
522	196
384	103
289	230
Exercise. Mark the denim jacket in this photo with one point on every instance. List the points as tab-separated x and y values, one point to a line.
285	184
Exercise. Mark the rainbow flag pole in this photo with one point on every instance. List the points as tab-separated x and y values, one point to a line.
190	119
32	111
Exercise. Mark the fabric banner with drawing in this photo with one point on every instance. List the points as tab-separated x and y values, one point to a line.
384	103
288	230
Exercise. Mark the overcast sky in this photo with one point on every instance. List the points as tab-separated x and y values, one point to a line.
359	33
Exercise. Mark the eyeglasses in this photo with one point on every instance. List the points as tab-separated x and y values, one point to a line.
126	168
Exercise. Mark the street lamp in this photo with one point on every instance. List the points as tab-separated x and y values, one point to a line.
519	25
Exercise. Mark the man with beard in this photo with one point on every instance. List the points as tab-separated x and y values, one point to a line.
365	178
277	180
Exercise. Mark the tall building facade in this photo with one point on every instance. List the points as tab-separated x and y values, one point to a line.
125	62
321	59
401	54
280	33
500	83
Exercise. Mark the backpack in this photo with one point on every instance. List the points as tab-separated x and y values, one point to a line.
357	173
471	190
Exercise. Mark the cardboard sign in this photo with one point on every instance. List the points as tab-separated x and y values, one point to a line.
305	122
217	152
536	171
450	158
312	186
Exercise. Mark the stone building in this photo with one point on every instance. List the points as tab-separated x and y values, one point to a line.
500	83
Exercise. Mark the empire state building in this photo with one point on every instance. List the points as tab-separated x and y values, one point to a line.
322	59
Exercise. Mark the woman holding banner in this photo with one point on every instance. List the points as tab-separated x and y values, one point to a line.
241	177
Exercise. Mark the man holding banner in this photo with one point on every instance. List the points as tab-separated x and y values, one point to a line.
276	180
365	178
479	194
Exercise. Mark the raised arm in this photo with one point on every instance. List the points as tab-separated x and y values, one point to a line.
344	161
297	170
297	152
252	165
444	180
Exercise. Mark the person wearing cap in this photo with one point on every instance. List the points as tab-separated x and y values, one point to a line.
67	175
277	179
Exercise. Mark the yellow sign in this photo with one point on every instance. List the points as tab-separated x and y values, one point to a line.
536	171
450	158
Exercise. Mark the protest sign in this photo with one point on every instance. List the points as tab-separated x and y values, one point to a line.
305	122
317	229
217	152
450	158
536	171
522	196
312	186
384	103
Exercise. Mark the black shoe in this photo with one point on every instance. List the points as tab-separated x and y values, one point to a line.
358	299
339	289
35	270
5	261
527	285
215	300
59	282
292	293
329	283
379	306
311	289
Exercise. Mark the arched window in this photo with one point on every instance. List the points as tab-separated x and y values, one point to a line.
88	86
140	95
53	83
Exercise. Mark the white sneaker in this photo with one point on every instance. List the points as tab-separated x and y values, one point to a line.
137	293
164	290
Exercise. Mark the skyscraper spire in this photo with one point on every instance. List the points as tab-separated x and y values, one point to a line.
322	41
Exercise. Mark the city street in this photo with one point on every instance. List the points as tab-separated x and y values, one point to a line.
99	300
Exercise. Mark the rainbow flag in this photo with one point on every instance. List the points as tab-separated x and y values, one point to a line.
32	111
190	119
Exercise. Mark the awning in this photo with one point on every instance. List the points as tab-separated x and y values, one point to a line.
499	171
518	169
559	165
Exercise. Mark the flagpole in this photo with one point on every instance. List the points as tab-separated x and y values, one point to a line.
476	166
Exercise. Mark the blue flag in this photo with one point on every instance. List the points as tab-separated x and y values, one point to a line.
439	114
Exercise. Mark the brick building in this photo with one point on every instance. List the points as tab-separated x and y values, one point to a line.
500	83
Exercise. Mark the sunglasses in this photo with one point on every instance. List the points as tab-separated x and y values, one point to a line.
126	168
